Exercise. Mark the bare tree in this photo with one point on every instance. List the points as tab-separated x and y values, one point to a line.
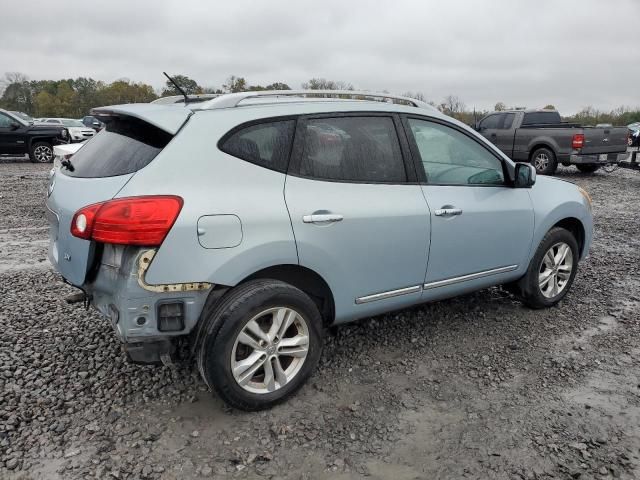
452	105
417	95
500	107
324	84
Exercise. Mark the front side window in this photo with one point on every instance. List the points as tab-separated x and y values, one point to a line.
352	149
490	122
264	144
450	157
5	121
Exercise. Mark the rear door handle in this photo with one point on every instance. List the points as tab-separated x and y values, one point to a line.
447	212
322	218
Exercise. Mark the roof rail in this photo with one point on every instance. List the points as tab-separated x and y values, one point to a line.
233	99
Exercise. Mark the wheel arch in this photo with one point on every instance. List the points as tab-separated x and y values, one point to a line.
538	145
45	138
306	280
576	228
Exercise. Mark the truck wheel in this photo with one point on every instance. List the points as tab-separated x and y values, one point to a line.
587	167
262	342
552	269
41	152
545	161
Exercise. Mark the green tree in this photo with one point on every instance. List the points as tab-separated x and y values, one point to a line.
500	107
277	86
550	107
189	86
235	84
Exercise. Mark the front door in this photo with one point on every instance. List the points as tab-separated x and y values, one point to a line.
11	138
481	227
357	220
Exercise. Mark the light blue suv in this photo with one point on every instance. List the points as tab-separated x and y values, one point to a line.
247	224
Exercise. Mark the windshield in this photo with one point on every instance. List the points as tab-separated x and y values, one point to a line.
71	123
22	116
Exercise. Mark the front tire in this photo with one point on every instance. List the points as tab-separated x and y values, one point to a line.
261	344
587	167
41	152
552	269
545	161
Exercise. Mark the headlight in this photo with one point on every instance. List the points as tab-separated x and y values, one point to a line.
586	196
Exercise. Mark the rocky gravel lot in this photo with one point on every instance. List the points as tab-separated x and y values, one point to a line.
474	387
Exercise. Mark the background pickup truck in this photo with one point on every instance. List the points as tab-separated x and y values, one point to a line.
540	137
18	137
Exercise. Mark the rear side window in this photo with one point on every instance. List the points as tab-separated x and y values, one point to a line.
352	149
265	144
123	146
545	118
507	120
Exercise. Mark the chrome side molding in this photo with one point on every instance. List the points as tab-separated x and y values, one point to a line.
471	276
440	283
389	294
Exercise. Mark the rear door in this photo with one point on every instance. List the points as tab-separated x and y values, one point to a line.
481	228
359	217
99	170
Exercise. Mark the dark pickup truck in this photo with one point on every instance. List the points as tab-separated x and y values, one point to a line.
18	137
540	137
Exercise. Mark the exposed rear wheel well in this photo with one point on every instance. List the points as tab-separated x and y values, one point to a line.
306	280
575	227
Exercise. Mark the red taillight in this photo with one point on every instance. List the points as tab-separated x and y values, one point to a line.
577	141
128	221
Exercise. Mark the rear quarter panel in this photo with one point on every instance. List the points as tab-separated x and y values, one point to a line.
529	139
214	183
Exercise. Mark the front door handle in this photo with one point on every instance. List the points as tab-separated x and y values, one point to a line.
447	212
322	218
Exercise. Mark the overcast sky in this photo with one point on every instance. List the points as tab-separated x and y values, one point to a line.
570	53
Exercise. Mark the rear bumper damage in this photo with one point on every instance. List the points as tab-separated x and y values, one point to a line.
146	318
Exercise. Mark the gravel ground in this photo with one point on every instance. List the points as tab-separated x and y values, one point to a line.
474	387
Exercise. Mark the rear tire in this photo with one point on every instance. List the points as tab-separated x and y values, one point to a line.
556	260
262	342
41	152
587	167
545	161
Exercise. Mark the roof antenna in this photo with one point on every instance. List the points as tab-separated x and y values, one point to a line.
175	84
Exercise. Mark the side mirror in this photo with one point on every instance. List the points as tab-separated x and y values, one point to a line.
14	126
525	175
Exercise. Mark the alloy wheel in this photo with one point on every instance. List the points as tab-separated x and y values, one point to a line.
270	350
541	161
43	154
555	270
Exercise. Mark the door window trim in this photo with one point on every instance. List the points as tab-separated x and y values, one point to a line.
299	142
417	158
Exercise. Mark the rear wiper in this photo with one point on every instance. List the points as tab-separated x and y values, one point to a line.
67	164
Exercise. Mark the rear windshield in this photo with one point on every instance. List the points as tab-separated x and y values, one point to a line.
123	146
537	118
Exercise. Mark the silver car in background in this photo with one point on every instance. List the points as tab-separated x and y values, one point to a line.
248	223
